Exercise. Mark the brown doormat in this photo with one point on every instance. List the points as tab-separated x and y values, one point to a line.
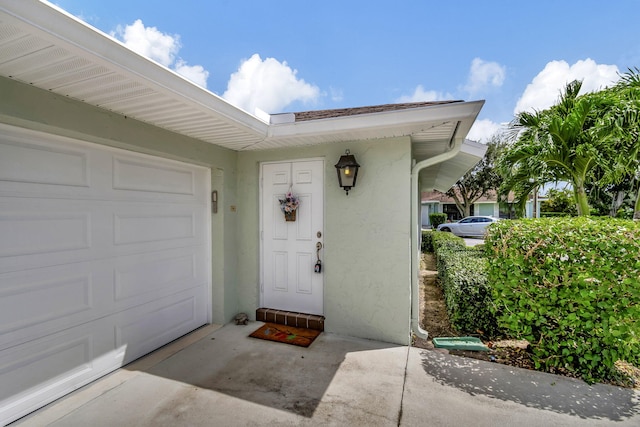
286	334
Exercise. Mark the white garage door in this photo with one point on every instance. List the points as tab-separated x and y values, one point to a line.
104	257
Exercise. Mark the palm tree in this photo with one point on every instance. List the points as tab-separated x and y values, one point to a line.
620	127
556	144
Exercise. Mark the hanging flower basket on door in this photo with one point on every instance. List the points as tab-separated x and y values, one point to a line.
289	206
290	216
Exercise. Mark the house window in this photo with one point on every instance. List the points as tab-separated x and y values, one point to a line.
507	211
453	214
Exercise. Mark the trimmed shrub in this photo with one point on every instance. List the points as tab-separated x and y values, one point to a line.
571	287
436	219
441	238
467	295
426	245
443	244
462	273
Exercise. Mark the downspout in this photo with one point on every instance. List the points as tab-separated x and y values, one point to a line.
416	229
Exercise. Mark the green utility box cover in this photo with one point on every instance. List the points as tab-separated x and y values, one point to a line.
460	343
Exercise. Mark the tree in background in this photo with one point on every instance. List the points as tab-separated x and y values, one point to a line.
574	141
620	127
559	201
480	181
615	199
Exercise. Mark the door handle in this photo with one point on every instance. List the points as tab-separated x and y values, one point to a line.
318	267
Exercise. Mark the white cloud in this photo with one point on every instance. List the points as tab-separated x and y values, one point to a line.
195	73
160	47
421	95
484	74
546	87
269	85
483	130
150	42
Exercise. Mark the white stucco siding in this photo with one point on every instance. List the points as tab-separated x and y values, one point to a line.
366	236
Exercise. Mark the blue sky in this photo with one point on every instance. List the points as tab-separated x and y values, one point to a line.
287	56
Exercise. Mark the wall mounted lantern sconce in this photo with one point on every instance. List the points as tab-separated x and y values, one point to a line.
347	169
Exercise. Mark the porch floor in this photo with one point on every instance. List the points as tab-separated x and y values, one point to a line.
219	376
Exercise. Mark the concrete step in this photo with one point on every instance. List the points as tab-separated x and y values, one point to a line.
290	318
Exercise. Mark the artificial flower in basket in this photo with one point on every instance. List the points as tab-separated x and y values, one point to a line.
289	205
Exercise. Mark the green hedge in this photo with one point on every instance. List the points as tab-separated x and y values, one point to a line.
571	287
462	273
553	214
436	219
431	240
426	245
441	238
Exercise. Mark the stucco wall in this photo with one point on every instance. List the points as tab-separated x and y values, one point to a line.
25	106
366	237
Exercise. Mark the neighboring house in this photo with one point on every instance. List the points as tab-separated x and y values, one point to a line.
488	205
136	206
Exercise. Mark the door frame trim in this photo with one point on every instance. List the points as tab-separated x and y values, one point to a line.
261	217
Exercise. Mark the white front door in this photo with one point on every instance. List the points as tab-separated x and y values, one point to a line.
289	248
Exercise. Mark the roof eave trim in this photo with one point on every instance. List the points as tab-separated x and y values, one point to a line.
386	119
52	22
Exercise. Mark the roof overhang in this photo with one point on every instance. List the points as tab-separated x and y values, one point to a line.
44	46
443	175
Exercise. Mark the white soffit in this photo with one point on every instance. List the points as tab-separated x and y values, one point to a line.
46	47
443	175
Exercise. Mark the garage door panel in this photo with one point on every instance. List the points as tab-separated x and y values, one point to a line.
36	303
152	176
147	328
140	228
104	257
28	233
39	302
43	299
43	163
43	362
146	277
46	232
153	227
50	367
151	274
43	370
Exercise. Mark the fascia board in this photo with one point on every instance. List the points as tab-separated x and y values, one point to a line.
474	148
61	28
409	119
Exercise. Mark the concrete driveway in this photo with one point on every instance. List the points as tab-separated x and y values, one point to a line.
221	377
473	241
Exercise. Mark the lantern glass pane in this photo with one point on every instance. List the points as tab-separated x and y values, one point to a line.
346	178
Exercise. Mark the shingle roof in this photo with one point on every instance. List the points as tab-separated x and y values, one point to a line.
340	112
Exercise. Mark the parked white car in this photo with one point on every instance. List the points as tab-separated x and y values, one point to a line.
471	226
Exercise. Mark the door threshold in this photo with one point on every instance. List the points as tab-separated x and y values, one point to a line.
290	318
